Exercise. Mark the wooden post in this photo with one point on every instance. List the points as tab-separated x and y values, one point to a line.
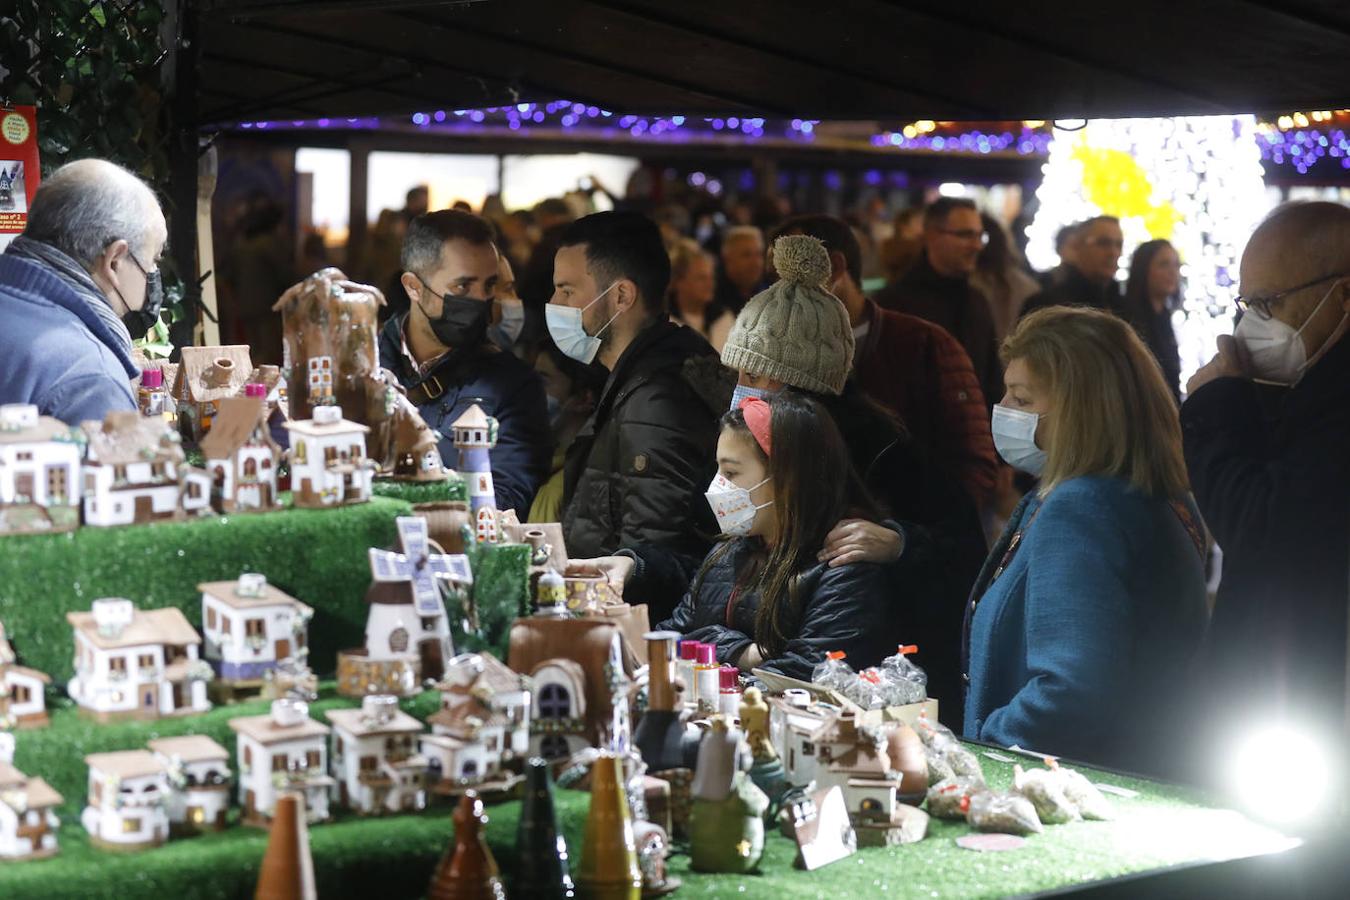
179	79
358	216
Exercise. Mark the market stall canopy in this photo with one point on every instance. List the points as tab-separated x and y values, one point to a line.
931	59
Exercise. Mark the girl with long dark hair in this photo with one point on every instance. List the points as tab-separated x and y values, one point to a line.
762	596
1152	294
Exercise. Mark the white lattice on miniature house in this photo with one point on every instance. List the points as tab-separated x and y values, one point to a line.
198	772
128	791
284	750
136	663
250	626
28	821
39	471
23	701
375	757
328	460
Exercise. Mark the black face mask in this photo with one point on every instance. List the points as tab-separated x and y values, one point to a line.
463	320
140	321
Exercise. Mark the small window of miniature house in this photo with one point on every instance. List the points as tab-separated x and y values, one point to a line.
279	763
266	463
21	693
312	759
469	769
117	665
398	640
211	617
553	746
250	468
131	824
555	702
299	451
869	805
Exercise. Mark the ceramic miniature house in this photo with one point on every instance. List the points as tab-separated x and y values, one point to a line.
847	759
241	456
39	471
575	666
330	344
250	626
133	663
23	703
282	751
206	376
28	819
376	759
475	434
483	722
414	451
328	460
128	792
407	628
198	773
793	721
134	471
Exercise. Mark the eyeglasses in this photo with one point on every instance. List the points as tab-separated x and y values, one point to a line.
1261	306
966	234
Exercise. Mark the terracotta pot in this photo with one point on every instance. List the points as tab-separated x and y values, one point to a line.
907	757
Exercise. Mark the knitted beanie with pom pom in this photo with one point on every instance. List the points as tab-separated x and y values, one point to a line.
795	331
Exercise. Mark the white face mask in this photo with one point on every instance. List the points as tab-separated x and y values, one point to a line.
732	506
1275	351
506	332
1015	439
568	332
744	392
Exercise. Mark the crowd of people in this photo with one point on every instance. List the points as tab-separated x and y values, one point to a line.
781	465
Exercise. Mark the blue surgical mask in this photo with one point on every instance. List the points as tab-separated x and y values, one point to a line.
568	332
745	392
507	331
1015	439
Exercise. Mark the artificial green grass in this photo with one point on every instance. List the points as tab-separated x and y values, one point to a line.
392	857
421	491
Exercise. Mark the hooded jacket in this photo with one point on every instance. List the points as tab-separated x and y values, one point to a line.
56	351
637	470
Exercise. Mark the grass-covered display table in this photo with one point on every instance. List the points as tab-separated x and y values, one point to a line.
392	857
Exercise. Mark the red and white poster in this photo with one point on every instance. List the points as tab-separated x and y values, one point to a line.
19	172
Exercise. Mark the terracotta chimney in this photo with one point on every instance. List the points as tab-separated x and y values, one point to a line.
218	375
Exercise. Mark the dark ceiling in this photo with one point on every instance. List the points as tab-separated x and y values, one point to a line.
846	59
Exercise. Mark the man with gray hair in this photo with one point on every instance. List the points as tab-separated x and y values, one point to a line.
76	287
741	274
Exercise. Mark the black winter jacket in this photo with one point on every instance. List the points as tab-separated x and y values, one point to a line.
1275	493
507	389
844	608
637	470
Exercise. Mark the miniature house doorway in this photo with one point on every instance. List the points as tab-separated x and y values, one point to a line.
433	661
283	649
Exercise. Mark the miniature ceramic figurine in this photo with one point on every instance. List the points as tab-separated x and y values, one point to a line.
375	757
475	435
609	863
135	472
482	726
198	774
241	455
663	739
767	772
726	830
329	466
821	827
28	819
39	472
23	701
284	750
573	666
205	377
857	760
250	626
467	871
134	663
287	867
413	451
128	791
545	871
653	849
407	629
550	597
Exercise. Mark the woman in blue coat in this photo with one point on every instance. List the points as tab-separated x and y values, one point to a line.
1084	623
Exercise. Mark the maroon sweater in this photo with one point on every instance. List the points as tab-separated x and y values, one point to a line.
924	375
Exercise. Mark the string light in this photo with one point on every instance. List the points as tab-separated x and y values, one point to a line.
1195	180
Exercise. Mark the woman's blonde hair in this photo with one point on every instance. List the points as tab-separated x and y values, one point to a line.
1110	410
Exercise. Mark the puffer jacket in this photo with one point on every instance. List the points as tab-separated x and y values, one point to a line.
845	608
637	470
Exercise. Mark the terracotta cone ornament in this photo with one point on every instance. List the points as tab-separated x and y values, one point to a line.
539	844
609	863
287	868
467	871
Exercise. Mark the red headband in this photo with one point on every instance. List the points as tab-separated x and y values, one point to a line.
757	415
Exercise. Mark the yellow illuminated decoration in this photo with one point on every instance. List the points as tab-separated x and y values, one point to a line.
1114	182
